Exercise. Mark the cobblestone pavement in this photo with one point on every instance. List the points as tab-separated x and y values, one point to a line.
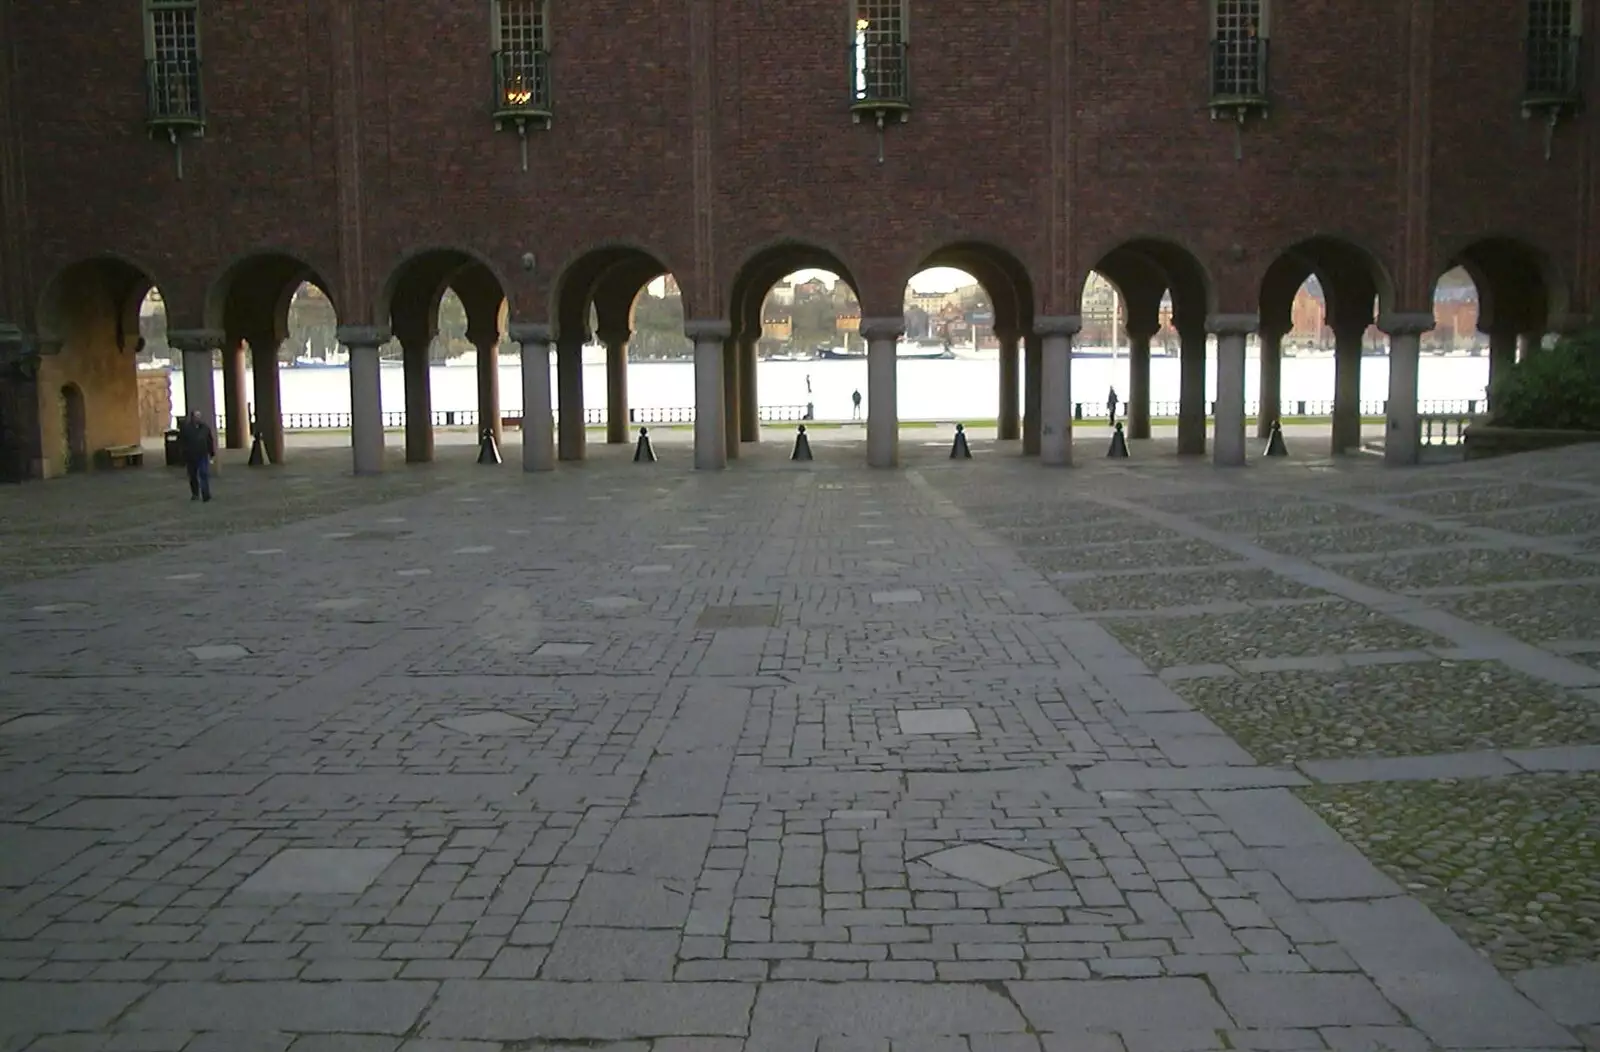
968	756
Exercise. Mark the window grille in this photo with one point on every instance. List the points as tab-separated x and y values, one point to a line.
173	77
1552	49
878	53
522	60
1239	50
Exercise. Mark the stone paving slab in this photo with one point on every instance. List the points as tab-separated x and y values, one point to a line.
533	799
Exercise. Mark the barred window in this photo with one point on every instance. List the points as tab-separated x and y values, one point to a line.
1238	48
172	50
521	47
1553	32
878	51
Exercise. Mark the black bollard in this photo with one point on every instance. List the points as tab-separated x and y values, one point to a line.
258	453
1275	444
959	449
644	452
488	452
802	446
1119	443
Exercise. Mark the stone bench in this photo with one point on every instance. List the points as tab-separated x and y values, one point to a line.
123	456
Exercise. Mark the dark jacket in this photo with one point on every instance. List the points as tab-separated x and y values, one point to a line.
197	440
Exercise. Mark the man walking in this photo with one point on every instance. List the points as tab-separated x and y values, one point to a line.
855	405
199	449
1111	408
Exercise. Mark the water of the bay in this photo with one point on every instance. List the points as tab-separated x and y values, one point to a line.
933	389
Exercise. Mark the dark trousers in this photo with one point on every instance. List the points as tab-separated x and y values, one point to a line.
199	477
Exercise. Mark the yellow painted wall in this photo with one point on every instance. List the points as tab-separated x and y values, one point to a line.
90	358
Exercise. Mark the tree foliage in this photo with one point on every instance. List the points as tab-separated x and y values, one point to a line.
1557	389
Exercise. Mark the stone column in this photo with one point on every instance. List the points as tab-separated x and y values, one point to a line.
269	400
730	396
710	441
488	347
1055	388
414	348
1529	344
1402	431
1271	408
234	398
1347	339
1138	404
1232	332
749	393
1032	374
199	349
1192	390
366	395
571	436
883	405
616	386
1502	355
1009	425
538	423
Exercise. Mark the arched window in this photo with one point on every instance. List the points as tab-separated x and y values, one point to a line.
172	63
521	58
879	72
1555	29
1238	52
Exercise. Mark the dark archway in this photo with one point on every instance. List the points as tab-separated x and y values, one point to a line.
1351	286
1156	275
594	297
75	429
1519	294
249	302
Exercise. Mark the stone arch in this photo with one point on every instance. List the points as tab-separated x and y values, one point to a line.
1519	285
88	322
999	271
1353	280
593	271
1180	269
769	263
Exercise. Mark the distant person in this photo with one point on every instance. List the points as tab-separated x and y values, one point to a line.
199	445
808	383
1111	408
855	405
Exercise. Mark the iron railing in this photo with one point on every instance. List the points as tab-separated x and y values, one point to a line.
173	97
521	85
880	76
1553	74
1239	72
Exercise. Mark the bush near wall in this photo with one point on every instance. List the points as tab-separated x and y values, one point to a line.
1553	390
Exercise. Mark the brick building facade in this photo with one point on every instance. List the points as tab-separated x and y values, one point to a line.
546	158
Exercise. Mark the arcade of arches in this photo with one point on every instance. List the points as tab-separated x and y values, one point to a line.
84	378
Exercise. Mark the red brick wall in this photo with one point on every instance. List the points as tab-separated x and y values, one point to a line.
975	161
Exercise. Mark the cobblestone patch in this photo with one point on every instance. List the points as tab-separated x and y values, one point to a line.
1471	566
947	644
1131	556
1359	540
1113	527
1478	496
1324	628
1556	520
1513	864
1290	513
1156	590
1535	615
1392	710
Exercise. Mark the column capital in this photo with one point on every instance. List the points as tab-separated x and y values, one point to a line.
708	329
1058	325
1136	332
11	338
196	341
526	332
480	340
1414	323
1003	334
614	337
887	327
1232	324
362	335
